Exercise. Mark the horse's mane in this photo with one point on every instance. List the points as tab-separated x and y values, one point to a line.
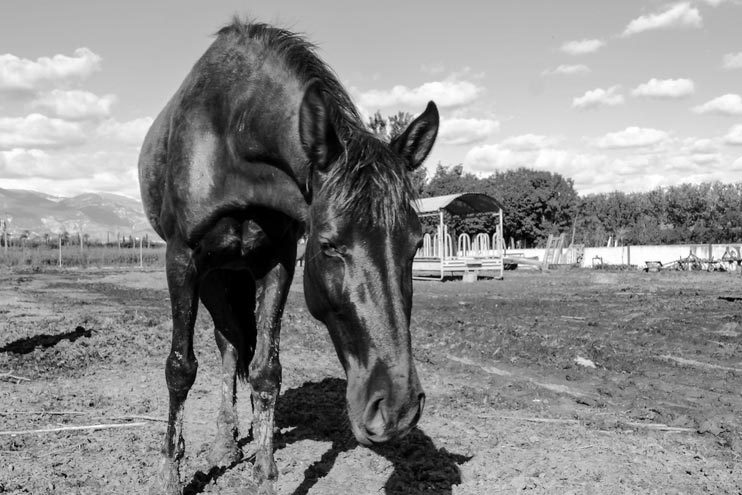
372	184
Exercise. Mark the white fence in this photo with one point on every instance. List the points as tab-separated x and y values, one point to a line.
639	255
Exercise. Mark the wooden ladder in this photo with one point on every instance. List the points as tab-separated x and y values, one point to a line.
553	253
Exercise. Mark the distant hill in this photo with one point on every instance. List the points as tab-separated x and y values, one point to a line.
102	215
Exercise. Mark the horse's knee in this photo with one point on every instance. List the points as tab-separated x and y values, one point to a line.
180	373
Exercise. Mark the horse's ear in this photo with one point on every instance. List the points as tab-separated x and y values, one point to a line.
316	130
417	140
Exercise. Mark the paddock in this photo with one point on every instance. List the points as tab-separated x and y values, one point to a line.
510	407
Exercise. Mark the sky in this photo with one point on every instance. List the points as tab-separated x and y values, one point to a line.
616	95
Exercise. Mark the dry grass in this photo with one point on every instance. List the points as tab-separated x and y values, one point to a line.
41	257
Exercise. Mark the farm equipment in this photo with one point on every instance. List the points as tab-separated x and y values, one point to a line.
729	262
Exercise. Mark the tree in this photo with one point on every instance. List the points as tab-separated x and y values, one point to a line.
536	203
386	129
377	125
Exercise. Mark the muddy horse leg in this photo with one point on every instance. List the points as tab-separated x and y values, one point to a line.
225	451
181	364
265	368
231	308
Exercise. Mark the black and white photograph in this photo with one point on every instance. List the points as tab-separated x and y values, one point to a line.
253	247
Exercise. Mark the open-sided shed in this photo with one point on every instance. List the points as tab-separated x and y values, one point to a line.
438	258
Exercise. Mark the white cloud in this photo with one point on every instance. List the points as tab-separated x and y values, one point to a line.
597	97
702	146
39	131
631	160
631	137
665	88
486	159
445	94
581	47
130	132
705	158
734	136
567	70
34	163
714	3
732	61
491	157
466	131
69	173
27	75
75	104
680	15
728	104
529	142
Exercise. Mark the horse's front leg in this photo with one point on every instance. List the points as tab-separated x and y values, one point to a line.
181	364
265	368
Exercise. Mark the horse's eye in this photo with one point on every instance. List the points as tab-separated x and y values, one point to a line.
330	249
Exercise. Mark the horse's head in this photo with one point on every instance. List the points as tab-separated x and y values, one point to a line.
363	233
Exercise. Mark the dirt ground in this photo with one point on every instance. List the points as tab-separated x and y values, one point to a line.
509	408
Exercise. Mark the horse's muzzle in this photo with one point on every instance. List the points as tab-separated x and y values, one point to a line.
378	428
385	418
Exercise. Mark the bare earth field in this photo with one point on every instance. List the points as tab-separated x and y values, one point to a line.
509	409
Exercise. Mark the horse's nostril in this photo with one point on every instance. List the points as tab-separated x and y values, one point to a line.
376	416
420	407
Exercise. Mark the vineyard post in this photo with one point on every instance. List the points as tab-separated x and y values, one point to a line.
141	263
5	222
60	250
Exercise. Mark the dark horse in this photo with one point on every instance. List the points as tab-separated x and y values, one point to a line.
261	144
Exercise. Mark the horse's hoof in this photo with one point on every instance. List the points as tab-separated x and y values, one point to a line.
165	487
167	481
224	454
266	488
265	472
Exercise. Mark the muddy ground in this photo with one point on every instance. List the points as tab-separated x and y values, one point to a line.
509	409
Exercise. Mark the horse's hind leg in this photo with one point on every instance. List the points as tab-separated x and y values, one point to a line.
230	306
181	364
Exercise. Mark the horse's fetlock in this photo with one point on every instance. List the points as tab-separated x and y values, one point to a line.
266	378
265	390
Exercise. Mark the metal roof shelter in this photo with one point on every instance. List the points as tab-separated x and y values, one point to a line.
437	254
461	204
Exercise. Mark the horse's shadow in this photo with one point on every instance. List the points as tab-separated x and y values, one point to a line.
316	411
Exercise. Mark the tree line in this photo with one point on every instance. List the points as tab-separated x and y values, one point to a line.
538	203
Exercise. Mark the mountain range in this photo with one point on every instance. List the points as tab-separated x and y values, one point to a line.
103	216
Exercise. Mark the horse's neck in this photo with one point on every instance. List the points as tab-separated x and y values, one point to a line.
268	127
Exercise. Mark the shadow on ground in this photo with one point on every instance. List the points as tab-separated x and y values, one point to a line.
316	411
27	345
